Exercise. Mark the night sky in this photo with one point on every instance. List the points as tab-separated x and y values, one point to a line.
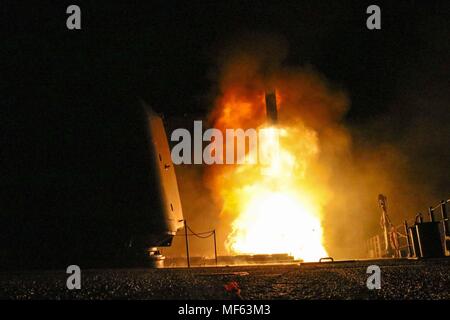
72	140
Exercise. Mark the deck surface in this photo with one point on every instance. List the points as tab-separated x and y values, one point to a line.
399	280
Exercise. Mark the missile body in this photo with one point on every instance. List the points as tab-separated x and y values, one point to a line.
271	107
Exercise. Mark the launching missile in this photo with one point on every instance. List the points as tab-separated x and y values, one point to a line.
271	106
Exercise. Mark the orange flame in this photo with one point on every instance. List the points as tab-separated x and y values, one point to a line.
275	207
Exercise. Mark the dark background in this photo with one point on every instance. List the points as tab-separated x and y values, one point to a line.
72	145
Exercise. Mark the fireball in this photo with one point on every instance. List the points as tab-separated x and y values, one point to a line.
274	206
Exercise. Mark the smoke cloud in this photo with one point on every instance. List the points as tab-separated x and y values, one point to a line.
354	163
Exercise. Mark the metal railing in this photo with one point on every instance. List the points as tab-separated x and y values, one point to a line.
188	232
401	237
444	220
375	245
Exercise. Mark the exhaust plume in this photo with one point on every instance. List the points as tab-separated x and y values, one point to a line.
338	169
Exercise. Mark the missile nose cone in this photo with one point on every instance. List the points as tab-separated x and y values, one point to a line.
271	106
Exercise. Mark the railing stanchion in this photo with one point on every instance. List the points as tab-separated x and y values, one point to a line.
408	241
430	213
